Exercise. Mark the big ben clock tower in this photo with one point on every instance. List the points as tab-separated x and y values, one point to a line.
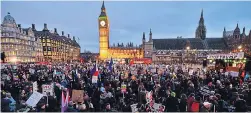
103	23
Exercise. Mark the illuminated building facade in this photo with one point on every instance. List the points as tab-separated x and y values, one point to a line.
57	48
238	41
183	50
19	44
117	52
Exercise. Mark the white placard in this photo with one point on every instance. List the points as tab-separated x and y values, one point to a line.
34	99
48	88
134	108
94	79
34	86
190	72
31	71
234	74
156	106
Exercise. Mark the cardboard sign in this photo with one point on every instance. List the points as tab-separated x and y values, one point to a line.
34	86
34	99
123	88
77	95
48	89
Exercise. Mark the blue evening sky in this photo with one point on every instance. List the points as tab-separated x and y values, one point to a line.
128	20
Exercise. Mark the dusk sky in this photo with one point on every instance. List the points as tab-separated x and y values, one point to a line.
128	20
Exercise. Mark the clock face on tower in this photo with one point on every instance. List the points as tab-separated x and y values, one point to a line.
102	23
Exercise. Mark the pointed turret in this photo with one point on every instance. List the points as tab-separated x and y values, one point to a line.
150	35
201	22
143	38
224	33
201	29
237	29
103	11
201	15
243	32
103	5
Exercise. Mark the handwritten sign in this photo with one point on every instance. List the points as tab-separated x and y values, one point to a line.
34	99
48	89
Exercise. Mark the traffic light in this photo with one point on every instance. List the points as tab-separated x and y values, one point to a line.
3	56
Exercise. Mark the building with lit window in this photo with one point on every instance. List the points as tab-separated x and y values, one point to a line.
184	50
19	44
106	51
57	47
238	41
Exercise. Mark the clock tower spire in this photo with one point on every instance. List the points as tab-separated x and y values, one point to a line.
103	23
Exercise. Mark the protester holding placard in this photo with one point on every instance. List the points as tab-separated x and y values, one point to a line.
88	87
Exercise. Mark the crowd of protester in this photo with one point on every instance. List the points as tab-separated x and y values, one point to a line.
172	86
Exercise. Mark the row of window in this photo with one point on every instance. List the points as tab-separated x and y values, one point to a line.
18	41
20	53
18	47
30	37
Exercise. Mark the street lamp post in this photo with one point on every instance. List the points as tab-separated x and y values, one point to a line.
240	48
187	48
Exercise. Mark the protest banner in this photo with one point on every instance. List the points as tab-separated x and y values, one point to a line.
134	108
48	88
34	99
34	86
77	95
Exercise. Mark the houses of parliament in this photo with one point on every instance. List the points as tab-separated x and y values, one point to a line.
171	49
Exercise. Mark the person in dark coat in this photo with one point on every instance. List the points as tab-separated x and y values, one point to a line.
240	104
5	102
171	103
70	108
183	103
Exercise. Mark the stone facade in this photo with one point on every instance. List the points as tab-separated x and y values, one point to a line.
19	44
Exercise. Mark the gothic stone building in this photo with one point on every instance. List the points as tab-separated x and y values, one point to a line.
105	50
238	41
177	50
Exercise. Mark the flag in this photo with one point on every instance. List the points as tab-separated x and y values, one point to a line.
95	74
110	65
67	98
62	102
